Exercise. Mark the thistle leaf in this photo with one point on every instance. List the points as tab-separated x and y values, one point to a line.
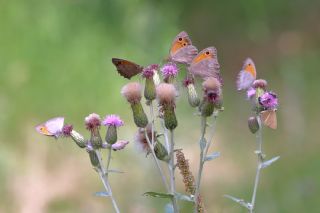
269	162
240	201
158	194
102	194
212	156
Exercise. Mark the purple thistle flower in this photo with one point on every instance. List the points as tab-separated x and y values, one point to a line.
149	70
92	121
187	81
112	120
169	70
67	129
119	145
251	92
268	100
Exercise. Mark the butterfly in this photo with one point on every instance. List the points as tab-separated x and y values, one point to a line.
269	118
182	50
52	127
206	64
126	68
247	75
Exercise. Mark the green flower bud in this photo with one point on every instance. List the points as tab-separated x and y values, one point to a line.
96	139
253	124
150	90
94	158
161	152
78	139
193	98
169	117
139	116
206	108
111	136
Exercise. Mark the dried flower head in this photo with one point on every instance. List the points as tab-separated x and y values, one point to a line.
166	94
119	145
169	70
260	83
187	81
211	84
212	90
112	120
92	121
132	92
268	100
141	140
149	71
67	129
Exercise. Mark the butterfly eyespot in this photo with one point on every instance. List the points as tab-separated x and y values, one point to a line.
180	39
184	44
207	53
249	65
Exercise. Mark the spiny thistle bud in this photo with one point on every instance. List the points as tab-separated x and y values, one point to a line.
68	131
132	92
112	122
169	72
166	95
206	108
93	123
253	124
161	152
150	90
94	159
193	98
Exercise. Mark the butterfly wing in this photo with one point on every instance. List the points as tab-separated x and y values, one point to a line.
247	75
269	118
206	64
126	68
182	50
52	127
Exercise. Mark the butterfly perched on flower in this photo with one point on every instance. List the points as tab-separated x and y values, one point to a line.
52	127
206	64
181	51
247	75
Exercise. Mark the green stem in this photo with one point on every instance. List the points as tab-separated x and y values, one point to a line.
172	176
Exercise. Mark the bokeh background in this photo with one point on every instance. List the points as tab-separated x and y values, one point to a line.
55	61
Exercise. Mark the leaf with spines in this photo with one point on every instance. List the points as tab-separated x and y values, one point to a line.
212	156
102	194
240	201
269	162
158	195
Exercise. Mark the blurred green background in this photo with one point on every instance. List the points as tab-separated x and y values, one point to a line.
55	60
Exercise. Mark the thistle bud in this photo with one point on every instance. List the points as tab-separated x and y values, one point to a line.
93	123
139	116
193	98
253	124
169	116
149	89
78	139
161	152
94	159
112	122
206	108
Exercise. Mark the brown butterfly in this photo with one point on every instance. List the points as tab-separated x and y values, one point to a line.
206	64
269	118
127	68
182	50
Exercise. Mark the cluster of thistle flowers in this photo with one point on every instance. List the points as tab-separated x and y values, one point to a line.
166	93
93	123
265	104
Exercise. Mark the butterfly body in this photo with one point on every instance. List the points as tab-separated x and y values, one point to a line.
182	50
206	64
127	68
52	127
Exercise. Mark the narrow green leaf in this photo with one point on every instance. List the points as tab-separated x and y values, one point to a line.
269	162
158	194
212	156
102	194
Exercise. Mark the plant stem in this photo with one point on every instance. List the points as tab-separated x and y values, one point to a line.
260	161
104	179
172	177
108	161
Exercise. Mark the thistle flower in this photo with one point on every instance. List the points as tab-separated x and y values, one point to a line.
251	92
169	71
260	83
149	90
166	95
132	92
121	144
112	122
212	96
93	123
268	100
193	98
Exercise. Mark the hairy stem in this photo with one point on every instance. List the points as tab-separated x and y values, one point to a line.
172	176
260	161
104	179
